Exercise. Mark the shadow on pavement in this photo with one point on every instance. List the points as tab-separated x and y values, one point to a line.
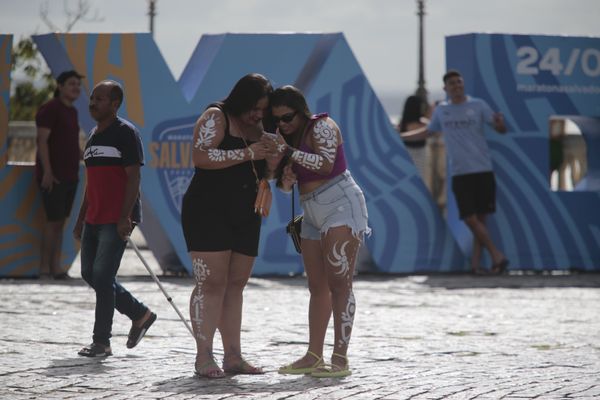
510	281
513	280
185	281
77	366
241	385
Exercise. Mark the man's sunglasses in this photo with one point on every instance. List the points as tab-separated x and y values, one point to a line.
287	118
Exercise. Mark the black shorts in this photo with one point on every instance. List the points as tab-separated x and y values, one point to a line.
215	220
475	193
59	201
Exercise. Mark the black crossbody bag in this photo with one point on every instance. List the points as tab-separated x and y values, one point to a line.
295	225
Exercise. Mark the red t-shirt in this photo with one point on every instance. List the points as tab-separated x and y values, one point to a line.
63	142
107	154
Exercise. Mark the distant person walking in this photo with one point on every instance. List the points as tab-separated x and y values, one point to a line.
57	168
414	116
109	212
461	119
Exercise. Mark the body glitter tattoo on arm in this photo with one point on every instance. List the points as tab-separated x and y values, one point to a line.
347	320
206	133
225	155
209	133
321	161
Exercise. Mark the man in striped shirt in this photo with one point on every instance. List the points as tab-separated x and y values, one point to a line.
109	212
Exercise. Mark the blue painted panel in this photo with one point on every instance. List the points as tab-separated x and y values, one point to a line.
409	234
530	78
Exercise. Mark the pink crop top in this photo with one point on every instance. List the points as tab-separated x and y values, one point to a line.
305	175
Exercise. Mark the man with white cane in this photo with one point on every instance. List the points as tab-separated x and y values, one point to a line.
110	210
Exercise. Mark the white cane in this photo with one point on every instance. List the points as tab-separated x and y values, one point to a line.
153	275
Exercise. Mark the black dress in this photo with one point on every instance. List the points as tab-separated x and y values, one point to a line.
217	211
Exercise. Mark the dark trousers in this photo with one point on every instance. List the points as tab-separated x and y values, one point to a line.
101	253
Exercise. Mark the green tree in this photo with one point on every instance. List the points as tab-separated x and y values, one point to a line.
26	97
38	87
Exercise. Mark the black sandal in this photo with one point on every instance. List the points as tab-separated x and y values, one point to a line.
500	268
136	333
95	350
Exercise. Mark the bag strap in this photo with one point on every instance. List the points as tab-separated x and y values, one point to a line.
251	162
293	201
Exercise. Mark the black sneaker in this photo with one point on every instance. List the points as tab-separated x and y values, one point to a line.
136	333
95	350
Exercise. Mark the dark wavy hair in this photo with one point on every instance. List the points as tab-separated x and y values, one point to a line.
289	96
246	93
414	109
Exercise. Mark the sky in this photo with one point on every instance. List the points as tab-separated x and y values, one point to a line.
382	34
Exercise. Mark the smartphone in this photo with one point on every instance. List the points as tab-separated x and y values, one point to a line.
271	136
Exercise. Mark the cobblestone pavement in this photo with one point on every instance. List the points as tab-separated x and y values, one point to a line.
417	337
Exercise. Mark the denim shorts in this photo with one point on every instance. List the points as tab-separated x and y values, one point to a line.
339	202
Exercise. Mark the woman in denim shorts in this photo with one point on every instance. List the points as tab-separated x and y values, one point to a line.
335	221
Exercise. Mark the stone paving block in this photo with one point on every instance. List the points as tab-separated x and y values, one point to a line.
592	391
422	337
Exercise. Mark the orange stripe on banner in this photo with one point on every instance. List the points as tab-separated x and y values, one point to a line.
8	229
3	134
26	205
16	256
32	266
9	181
5	64
27	238
39	217
4	88
76	45
127	72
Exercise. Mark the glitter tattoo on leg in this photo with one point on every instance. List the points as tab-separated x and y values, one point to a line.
347	320
201	272
339	258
